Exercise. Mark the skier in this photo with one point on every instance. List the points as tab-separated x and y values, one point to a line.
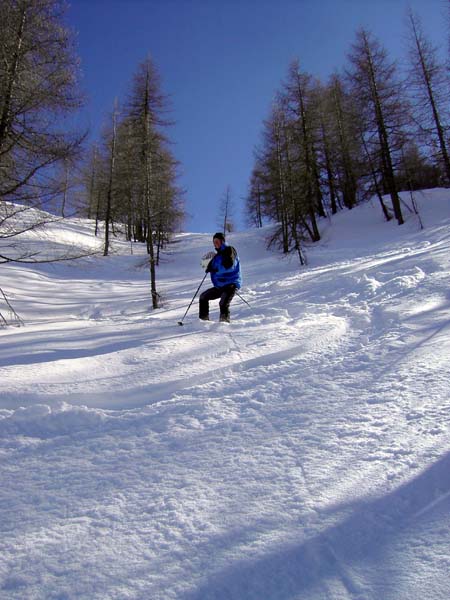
225	271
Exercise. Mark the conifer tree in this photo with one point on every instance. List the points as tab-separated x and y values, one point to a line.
383	108
38	89
347	152
428	85
272	159
281	182
112	158
38	72
301	104
255	198
150	165
226	207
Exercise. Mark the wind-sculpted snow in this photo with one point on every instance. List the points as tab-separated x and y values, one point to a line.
300	452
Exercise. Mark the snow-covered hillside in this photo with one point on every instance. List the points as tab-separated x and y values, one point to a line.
301	452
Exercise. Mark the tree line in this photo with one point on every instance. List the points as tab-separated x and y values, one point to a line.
38	92
129	178
370	130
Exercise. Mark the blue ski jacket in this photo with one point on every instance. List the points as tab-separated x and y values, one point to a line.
225	267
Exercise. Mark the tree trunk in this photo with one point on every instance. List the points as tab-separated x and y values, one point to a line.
5	116
388	171
110	182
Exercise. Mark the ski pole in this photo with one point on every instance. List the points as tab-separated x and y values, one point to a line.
193	298
244	300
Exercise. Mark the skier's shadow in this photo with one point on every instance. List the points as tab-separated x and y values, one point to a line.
366	540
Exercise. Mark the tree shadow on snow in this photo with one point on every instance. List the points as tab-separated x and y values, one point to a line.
365	542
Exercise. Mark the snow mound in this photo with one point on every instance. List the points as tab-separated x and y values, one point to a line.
43	421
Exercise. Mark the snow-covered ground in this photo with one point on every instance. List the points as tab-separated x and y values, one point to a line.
301	452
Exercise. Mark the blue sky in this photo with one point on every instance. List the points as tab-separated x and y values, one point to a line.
221	63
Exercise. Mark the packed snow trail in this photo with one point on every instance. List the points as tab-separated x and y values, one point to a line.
300	452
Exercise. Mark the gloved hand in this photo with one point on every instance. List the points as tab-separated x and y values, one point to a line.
210	268
206	259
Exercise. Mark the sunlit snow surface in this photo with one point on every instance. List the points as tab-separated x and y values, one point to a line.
301	452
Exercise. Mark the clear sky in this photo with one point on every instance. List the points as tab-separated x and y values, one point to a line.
221	62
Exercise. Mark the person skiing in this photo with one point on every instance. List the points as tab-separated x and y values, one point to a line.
225	272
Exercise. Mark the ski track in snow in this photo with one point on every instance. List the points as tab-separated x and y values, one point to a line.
300	452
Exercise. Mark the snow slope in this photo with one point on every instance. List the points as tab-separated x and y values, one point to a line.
301	452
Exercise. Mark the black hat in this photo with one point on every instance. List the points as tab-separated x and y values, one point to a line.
219	236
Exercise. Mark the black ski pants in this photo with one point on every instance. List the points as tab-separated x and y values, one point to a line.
226	295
